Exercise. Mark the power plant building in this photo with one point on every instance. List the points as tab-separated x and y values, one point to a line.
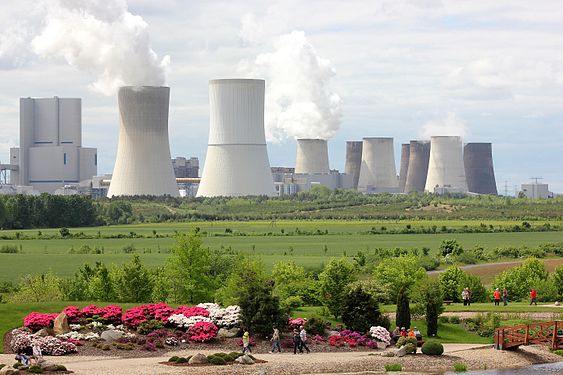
237	161
377	172
479	171
419	156
143	165
353	161
446	171
312	156
51	155
405	156
185	168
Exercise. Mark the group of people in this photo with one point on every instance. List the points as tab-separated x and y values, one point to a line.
401	332
497	296
466	296
299	341
26	354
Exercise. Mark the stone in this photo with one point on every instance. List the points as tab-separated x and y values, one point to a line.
401	352
557	303
245	360
225	333
198	359
388	353
111	335
48	366
60	326
45	332
8	370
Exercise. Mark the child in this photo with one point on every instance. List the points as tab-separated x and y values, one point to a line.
246	342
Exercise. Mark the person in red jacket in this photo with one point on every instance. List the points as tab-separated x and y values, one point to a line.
496	297
533	295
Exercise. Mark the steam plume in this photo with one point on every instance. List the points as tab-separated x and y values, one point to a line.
452	125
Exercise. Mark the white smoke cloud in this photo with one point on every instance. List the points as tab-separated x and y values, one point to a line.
299	102
101	37
451	125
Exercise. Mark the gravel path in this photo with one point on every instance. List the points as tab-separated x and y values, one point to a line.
475	356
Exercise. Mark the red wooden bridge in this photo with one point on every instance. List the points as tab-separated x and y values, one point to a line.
544	333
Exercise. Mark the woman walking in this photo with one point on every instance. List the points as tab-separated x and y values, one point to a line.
275	341
296	341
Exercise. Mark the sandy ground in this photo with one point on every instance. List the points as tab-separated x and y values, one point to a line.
475	356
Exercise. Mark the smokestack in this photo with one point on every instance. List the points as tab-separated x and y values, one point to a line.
237	161
312	156
445	168
405	155
353	161
143	165
377	172
478	161
418	166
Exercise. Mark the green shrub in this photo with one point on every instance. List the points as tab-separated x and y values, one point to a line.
181	360
432	347
235	355
444	319
210	357
150	325
229	358
221	355
454	319
460	367
558	352
60	368
173	359
316	325
360	310
217	360
291	303
35	369
410	348
393	367
404	340
17	365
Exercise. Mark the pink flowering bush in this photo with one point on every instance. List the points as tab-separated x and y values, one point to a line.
112	313
152	311
192	311
49	345
73	313
202	331
296	323
36	321
134	316
90	311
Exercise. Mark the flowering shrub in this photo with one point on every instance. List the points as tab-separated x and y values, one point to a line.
318	339
91	311
36	321
380	334
171	341
296	323
181	321
134	316
192	311
203	331
336	340
72	313
49	345
75	342
112	314
225	318
77	336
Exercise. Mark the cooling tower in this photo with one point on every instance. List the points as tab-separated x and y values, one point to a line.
418	166
445	167
377	172
353	161
405	155
143	165
479	171
237	159
312	156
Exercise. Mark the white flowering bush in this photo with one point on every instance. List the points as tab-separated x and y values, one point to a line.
380	334
223	318
79	336
49	345
75	327
180	320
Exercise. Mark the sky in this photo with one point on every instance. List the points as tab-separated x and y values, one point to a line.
490	71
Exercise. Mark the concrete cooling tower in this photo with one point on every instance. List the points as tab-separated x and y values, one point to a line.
312	156
353	161
377	172
418	166
478	161
237	159
405	156
445	167
143	165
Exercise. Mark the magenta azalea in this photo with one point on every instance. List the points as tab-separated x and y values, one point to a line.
202	331
36	321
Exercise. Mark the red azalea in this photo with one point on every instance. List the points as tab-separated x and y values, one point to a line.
36	321
73	313
91	310
192	311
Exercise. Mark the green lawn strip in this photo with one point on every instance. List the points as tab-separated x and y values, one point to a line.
513	307
451	333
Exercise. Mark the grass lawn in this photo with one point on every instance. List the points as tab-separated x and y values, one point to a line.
513	307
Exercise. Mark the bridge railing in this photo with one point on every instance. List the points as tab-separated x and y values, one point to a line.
544	333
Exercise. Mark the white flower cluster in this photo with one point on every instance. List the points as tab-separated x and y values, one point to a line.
223	318
79	336
116	328
181	321
49	345
380	334
96	324
75	327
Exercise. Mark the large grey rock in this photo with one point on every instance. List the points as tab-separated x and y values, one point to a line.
48	366
198	359
245	360
401	352
8	370
45	332
111	335
225	333
60	326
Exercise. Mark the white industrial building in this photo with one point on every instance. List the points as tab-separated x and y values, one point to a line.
143	165
312	156
237	161
536	191
378	172
51	155
446	171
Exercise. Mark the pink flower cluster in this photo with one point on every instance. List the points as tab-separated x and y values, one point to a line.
202	331
111	313
136	315
192	311
91	310
72	313
36	321
296	323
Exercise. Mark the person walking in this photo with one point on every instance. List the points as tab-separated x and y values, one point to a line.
296	341
533	296
303	336
246	343
275	341
465	296
505	296
496	297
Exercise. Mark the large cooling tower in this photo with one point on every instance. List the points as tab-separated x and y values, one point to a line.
478	161
377	172
143	165
237	159
405	155
353	161
445	167
312	156
418	166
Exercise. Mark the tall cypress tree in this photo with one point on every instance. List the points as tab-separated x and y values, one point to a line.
403	309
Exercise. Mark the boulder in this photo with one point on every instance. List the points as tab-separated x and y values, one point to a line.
388	353
111	335
48	366
401	352
245	360
198	359
557	303
8	370
225	333
60	326
45	332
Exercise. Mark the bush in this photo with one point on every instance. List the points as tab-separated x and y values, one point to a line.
432	347
60	368
454	319
360	310
410	348
182	360
404	340
316	326
444	319
291	303
149	326
216	360
235	355
35	369
460	367
393	367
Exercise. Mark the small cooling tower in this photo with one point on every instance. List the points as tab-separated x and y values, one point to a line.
312	156
353	161
143	165
405	155
377	172
237	158
479	171
418	166
445	168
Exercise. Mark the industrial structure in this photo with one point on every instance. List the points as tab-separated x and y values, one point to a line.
185	168
312	156
377	172
419	155
353	161
404	167
446	172
237	161
143	165
479	171
51	155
